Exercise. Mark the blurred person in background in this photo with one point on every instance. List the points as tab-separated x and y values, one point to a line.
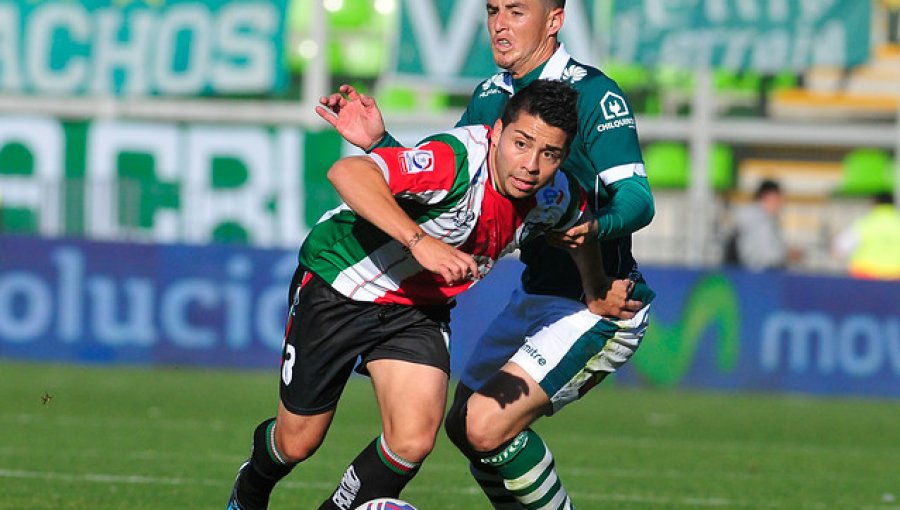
545	350
757	241
378	276
872	244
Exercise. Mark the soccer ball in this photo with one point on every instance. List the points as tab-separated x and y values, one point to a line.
385	504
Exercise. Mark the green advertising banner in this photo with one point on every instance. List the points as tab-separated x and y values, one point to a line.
760	35
446	41
142	47
164	182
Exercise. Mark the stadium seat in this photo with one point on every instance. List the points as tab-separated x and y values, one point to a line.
866	172
357	37
721	167
668	165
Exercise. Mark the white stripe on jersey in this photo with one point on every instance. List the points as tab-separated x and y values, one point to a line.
365	280
382	165
617	173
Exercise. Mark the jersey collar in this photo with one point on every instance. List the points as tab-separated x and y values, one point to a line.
552	69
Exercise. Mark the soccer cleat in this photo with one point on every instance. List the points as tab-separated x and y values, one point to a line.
233	500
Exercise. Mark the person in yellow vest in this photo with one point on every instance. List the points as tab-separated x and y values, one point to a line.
872	244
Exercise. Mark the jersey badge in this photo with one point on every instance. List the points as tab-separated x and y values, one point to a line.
416	161
493	85
573	73
463	217
614	106
551	196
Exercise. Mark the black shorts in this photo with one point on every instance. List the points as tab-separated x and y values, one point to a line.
327	332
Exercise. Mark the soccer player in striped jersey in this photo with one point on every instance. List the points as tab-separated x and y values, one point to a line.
545	350
378	275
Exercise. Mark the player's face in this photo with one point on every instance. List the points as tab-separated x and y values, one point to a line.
521	33
525	155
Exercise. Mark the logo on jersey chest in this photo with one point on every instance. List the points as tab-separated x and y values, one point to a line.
416	161
463	217
493	85
573	73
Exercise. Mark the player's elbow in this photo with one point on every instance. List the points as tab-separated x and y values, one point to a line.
340	171
647	214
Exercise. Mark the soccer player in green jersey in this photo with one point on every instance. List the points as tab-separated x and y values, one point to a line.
546	349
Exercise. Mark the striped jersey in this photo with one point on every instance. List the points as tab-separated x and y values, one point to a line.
444	184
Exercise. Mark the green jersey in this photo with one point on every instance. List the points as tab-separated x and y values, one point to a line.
605	159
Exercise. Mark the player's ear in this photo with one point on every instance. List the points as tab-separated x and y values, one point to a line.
555	19
496	130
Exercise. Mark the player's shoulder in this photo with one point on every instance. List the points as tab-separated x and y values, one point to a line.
601	102
591	83
494	86
460	138
469	142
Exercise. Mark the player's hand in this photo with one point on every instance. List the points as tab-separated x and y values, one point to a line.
355	116
441	258
615	301
575	237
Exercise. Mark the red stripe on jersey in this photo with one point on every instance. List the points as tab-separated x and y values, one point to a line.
424	288
429	167
496	228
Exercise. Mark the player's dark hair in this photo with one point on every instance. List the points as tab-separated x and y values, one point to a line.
556	4
767	186
554	102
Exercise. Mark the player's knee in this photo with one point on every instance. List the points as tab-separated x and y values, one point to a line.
413	446
472	434
455	426
296	448
482	434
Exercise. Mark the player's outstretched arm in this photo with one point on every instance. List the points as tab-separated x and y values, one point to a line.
355	116
360	183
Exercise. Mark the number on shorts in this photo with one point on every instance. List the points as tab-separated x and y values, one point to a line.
287	363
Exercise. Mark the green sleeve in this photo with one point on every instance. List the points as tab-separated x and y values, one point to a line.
387	140
630	208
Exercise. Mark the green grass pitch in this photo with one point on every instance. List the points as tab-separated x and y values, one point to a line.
74	437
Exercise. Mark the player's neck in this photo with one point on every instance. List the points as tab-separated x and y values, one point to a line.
492	165
538	58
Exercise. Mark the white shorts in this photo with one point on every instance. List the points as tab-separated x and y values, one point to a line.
564	347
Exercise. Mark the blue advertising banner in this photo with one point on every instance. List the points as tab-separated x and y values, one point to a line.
142	47
91	302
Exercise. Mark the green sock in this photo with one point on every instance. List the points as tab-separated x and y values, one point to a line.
529	473
492	486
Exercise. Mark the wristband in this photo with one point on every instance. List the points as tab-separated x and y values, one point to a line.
414	240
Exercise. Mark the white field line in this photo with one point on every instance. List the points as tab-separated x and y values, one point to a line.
599	472
469	491
694	445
